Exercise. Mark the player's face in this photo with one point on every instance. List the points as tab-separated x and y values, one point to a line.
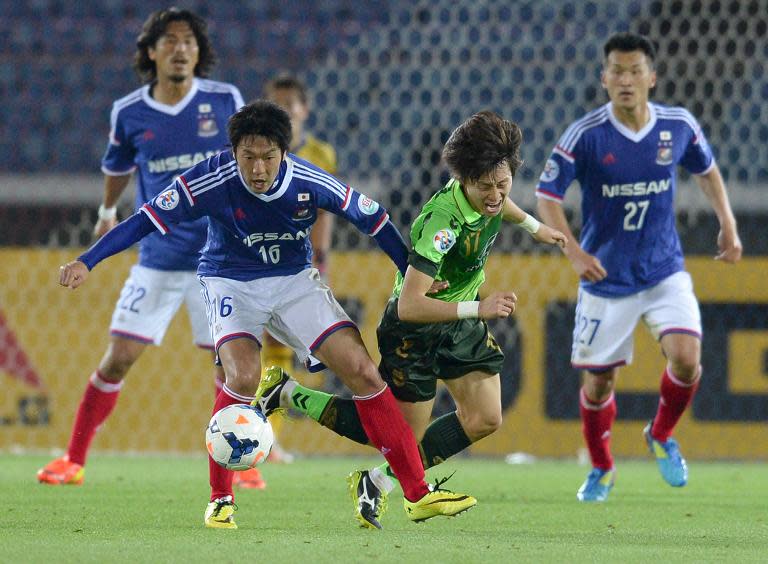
290	101
258	159
487	194
628	78
176	52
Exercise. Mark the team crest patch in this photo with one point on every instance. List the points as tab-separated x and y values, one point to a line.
168	199
550	172
366	205
664	156
206	127
444	240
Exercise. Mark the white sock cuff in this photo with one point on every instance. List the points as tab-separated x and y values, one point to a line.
677	382
381	480
371	396
103	386
587	404
234	395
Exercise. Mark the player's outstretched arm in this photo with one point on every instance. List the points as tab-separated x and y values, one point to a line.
728	241
73	274
539	231
586	266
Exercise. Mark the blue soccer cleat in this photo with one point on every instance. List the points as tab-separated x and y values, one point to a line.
597	486
671	463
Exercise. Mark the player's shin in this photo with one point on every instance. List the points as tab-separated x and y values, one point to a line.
390	434
220	477
597	420
675	397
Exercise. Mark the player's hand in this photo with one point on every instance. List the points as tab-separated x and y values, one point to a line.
73	274
497	306
729	245
437	286
102	226
588	266
546	234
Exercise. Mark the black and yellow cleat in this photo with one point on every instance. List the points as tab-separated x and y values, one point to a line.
438	502
220	514
267	397
370	502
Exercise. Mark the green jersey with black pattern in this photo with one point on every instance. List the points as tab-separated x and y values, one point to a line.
451	241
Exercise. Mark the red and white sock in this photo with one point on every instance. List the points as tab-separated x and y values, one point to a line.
675	397
98	401
597	420
390	434
220	477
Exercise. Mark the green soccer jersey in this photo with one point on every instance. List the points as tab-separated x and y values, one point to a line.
451	241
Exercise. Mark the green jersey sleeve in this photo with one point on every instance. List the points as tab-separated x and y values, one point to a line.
432	237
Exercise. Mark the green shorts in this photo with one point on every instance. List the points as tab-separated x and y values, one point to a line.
415	355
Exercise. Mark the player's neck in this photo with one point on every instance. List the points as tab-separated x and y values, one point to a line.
633	118
169	92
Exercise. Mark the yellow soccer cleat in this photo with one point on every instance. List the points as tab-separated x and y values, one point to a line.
438	502
61	472
220	513
370	502
267	397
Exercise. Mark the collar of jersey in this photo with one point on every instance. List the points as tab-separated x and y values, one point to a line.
635	136
177	108
280	185
469	213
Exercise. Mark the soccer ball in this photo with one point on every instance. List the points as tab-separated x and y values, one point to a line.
239	437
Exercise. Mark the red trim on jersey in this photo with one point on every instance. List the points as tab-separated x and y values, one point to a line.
328	332
233	336
347	198
379	224
188	192
131	336
155	218
559	148
548	193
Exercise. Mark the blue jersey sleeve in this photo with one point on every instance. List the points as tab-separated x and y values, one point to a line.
119	159
559	170
697	158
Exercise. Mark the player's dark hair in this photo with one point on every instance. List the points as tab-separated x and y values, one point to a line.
482	143
627	42
261	118
155	27
287	82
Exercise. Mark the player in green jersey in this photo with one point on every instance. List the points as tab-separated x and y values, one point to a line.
426	336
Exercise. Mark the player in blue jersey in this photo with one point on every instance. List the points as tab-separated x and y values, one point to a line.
256	274
175	120
630	262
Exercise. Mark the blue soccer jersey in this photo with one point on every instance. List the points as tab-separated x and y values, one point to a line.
628	184
160	142
254	235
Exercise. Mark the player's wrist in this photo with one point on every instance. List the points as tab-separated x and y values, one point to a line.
468	310
107	214
530	224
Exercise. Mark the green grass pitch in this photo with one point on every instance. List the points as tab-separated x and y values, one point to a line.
150	509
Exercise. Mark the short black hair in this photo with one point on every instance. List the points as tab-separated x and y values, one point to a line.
287	82
482	143
260	118
155	27
627	41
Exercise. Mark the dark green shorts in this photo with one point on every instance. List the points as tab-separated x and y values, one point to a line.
415	355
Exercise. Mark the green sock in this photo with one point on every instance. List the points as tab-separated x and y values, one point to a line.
337	414
443	438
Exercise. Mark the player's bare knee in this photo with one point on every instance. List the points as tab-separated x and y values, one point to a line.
243	381
480	425
685	369
115	365
598	385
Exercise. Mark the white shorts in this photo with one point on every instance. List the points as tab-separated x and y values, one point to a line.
149	300
602	336
298	310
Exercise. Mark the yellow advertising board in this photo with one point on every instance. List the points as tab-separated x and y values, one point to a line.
51	339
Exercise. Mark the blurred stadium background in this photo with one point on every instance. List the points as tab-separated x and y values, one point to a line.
390	80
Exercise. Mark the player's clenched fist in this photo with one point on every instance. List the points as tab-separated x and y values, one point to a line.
497	305
546	234
73	274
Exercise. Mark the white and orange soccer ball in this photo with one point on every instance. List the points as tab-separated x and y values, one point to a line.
239	437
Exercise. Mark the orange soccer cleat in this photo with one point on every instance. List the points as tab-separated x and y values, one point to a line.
60	472
249	479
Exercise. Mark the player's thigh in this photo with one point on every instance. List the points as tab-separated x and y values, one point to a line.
241	361
344	352
148	301
603	331
671	307
236	309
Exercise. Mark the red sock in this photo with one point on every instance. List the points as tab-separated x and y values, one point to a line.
674	398
387	430
597	419
220	477
98	402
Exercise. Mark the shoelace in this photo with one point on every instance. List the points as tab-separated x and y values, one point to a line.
220	503
439	482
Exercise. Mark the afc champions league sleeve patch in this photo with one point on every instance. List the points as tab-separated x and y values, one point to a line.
550	172
444	240
168	199
366	205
